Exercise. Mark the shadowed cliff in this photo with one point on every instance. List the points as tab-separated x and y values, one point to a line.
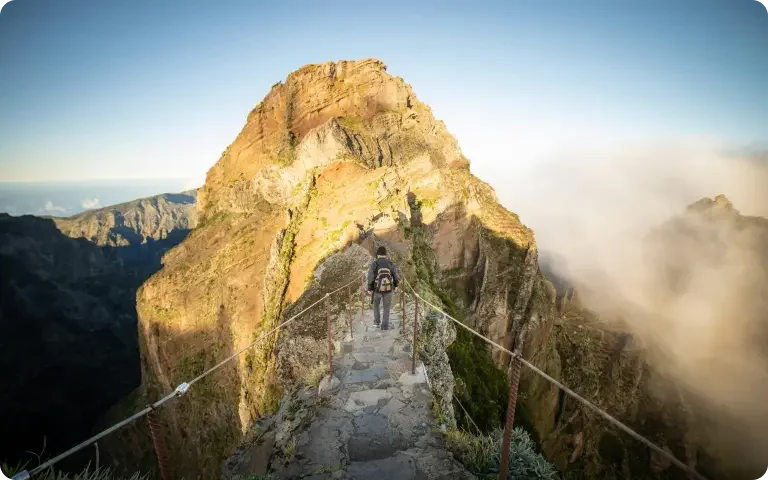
68	317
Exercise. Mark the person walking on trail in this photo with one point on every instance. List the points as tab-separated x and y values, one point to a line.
383	280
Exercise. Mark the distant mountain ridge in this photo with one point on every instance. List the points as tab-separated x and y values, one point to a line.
136	222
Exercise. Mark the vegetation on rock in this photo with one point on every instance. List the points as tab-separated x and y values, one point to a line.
481	454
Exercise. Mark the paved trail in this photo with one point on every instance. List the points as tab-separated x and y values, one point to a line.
378	423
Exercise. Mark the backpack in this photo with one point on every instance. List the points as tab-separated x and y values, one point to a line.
383	280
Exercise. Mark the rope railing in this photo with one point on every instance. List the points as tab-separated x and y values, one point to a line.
516	357
179	391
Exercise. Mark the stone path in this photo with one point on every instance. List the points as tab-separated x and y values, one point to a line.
376	424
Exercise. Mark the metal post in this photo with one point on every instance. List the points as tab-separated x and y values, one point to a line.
349	310
330	344
514	381
362	298
156	429
415	324
405	317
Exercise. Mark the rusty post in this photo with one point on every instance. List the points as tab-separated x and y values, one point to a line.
415	324
405	317
330	343
349	310
156	429
514	381
362	298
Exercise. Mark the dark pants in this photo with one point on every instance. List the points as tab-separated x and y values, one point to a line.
386	299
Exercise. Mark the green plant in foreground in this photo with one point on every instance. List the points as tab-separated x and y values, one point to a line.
481	454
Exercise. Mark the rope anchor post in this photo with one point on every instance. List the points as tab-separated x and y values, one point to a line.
349	311
405	317
156	430
514	382
415	325
330	342
362	298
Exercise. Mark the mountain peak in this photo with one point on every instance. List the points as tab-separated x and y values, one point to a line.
349	110
720	204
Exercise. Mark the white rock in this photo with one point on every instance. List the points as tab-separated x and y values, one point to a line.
365	398
327	385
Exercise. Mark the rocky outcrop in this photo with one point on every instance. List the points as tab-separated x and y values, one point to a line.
338	154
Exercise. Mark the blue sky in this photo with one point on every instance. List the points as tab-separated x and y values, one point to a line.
140	89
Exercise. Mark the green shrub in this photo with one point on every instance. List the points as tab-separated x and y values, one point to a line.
481	454
476	452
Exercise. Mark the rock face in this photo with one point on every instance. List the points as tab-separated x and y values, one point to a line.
68	316
339	154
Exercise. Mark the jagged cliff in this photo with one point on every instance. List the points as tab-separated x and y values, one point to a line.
339	153
68	317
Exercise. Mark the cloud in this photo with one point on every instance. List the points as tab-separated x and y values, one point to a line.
194	183
53	209
594	208
90	203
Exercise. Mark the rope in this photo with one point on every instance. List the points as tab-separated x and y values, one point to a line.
467	414
570	392
179	391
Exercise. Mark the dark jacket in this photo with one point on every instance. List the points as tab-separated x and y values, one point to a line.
374	269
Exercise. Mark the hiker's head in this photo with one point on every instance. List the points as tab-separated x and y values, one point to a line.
381	252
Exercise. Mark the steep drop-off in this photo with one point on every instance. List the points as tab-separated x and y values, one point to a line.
339	153
68	317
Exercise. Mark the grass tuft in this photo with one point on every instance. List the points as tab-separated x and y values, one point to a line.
481	454
289	450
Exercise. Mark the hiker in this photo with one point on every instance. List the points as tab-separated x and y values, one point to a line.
382	283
